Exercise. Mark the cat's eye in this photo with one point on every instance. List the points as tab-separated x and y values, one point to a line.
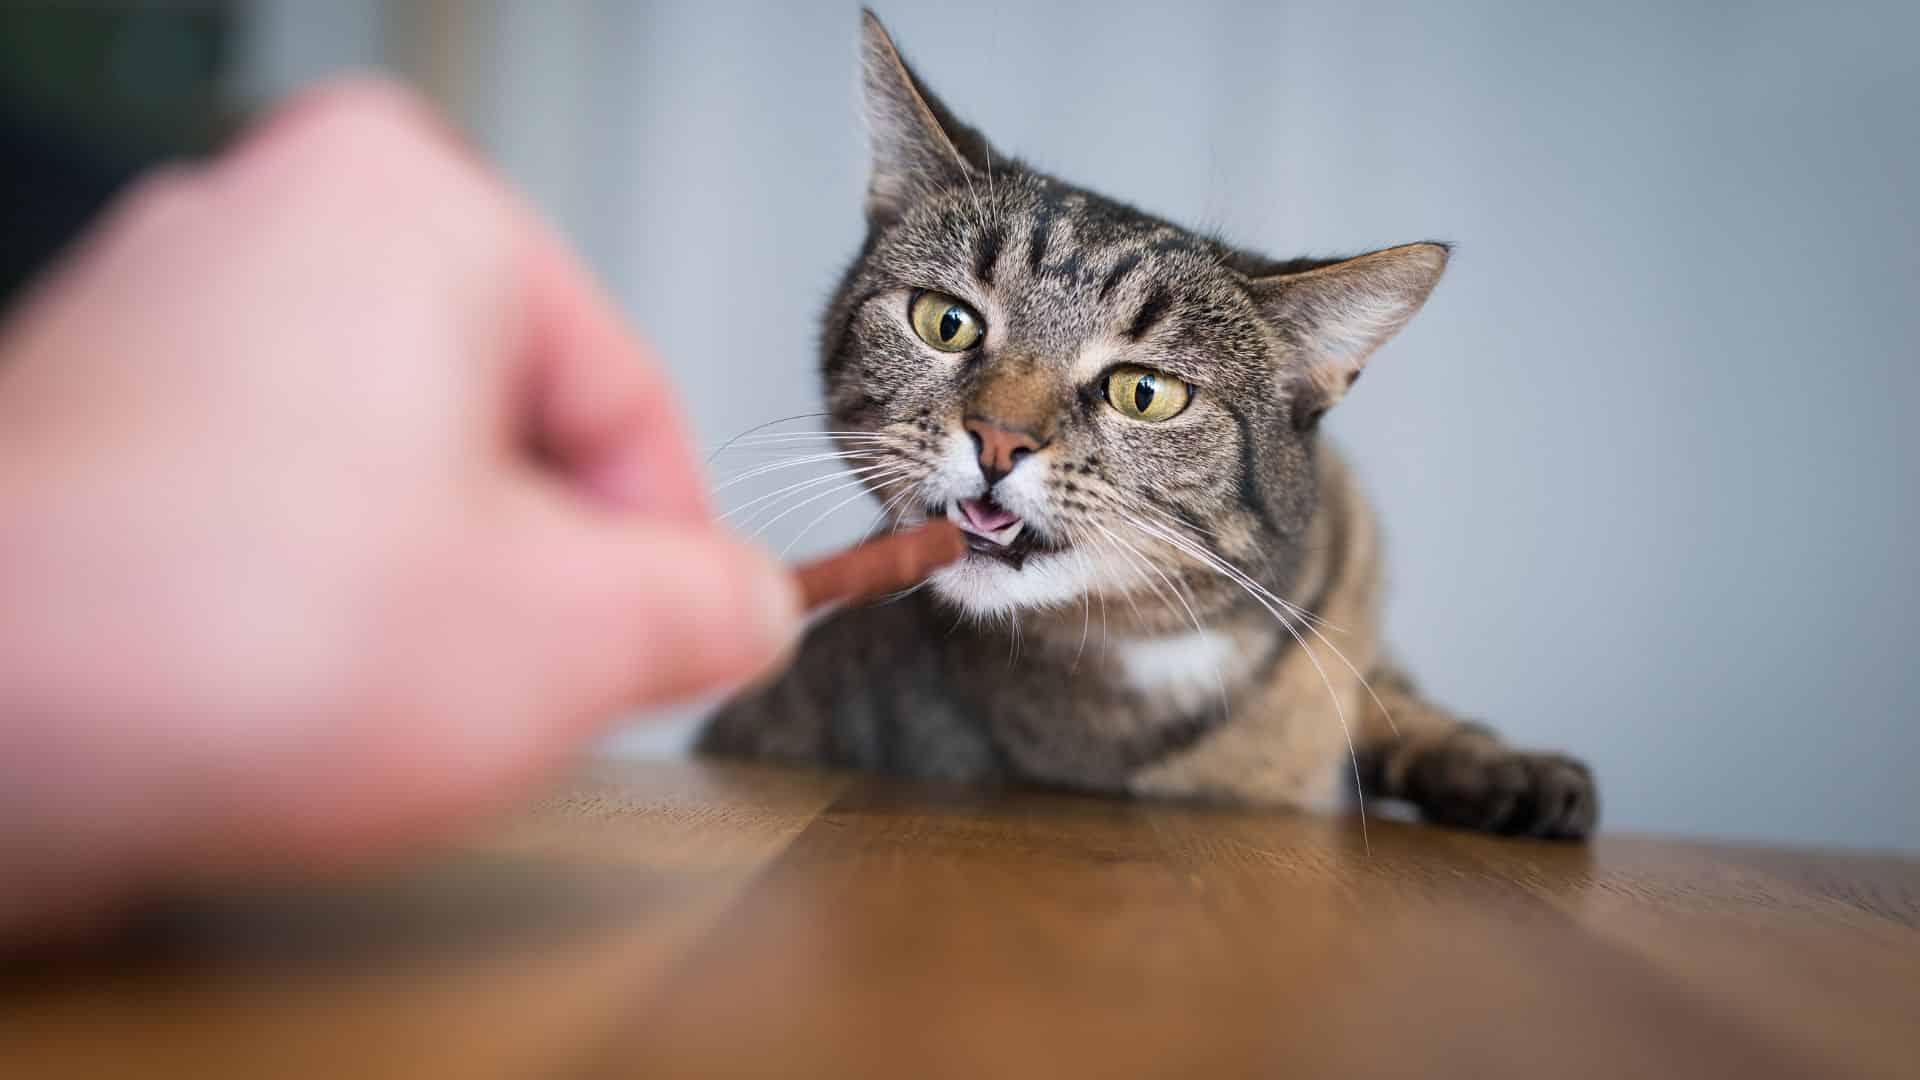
1145	394
945	323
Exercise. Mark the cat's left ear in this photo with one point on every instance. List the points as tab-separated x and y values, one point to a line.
919	148
1336	314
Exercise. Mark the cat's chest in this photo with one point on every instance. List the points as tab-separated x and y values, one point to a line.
1122	685
1124	703
1182	672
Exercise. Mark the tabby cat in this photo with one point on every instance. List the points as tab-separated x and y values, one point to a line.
1172	585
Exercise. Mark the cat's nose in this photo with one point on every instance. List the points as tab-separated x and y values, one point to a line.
999	448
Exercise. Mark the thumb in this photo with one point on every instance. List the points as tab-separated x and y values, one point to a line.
651	612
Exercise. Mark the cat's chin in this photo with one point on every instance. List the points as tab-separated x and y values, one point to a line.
985	586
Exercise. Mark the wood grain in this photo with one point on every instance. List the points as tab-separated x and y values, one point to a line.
689	919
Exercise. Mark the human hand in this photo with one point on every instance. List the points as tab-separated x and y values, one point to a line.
336	504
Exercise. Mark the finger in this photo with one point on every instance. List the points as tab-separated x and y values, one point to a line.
583	392
579	388
349	100
598	405
648	612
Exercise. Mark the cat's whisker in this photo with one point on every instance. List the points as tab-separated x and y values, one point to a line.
786	437
832	485
1104	637
1139	559
973	194
1205	554
837	481
966	171
802	485
1176	519
990	195
886	511
811	447
878	432
828	512
1237	574
1220	681
1339	711
902	594
812	436
860	481
1086	602
758	525
1128	595
1083	548
1199	550
1135	562
796	462
763	427
908	487
1306	618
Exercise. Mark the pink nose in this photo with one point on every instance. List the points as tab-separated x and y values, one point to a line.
999	449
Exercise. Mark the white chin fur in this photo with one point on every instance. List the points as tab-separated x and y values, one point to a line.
985	587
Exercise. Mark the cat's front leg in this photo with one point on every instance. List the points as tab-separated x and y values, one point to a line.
867	689
778	722
1462	774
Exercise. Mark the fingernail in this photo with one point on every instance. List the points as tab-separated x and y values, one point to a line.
778	597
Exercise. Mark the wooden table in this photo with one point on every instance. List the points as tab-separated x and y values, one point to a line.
687	920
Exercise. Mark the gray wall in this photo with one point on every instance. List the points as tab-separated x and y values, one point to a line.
1641	458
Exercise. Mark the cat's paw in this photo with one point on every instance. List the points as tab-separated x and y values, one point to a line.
1478	783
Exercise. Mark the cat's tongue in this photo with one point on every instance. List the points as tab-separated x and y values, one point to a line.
985	516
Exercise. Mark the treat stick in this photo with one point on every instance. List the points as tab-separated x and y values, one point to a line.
880	566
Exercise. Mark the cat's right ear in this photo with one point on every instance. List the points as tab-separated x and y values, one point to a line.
1337	313
919	149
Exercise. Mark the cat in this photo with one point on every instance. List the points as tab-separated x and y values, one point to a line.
1172	582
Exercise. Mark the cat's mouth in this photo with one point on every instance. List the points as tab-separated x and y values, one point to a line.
996	532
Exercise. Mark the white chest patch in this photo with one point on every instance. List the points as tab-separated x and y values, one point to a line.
1188	668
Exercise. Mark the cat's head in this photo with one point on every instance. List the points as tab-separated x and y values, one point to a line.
1097	396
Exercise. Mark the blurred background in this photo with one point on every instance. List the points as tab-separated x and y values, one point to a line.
1643	458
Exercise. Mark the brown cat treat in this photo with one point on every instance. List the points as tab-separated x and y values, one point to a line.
1172	584
880	566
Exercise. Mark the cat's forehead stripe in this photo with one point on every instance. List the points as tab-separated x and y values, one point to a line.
1121	267
1150	313
987	255
1037	240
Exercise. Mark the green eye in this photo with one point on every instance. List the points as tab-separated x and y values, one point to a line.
945	323
1142	393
